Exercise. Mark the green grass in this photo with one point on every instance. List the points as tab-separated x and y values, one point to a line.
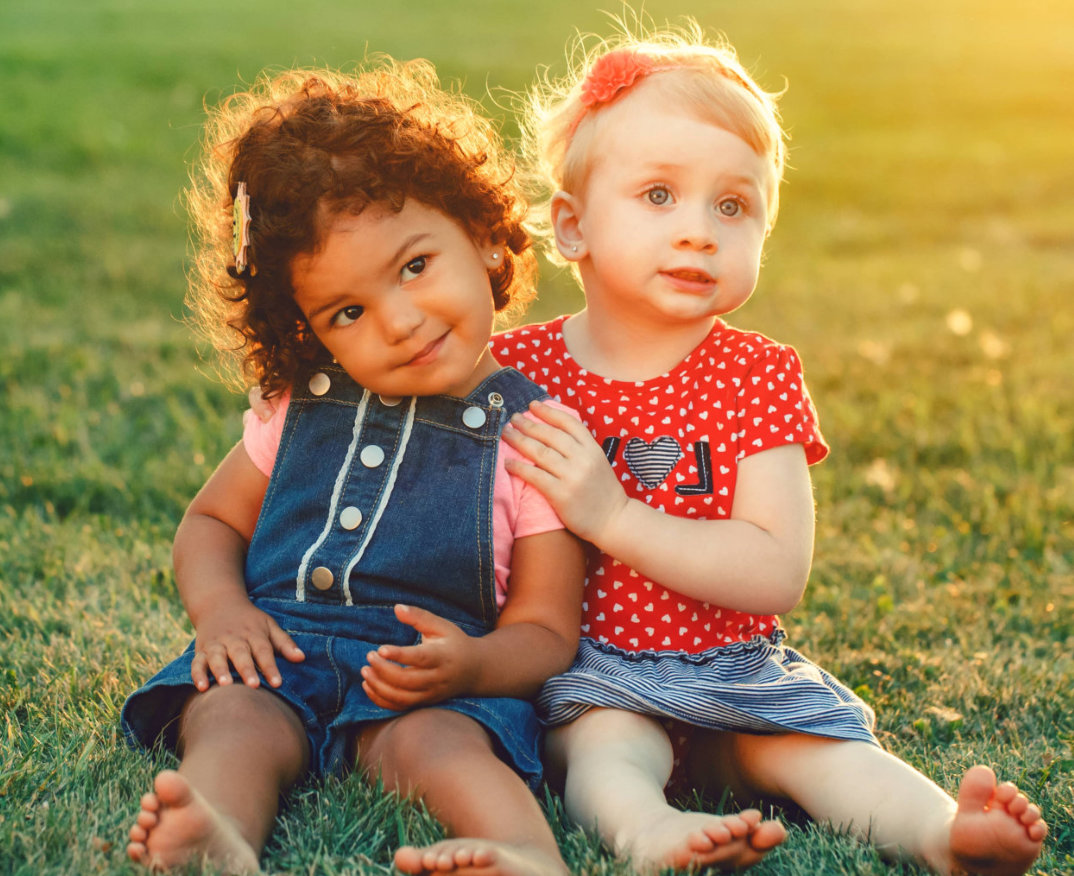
923	266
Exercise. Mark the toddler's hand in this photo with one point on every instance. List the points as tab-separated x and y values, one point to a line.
262	407
246	638
440	667
568	467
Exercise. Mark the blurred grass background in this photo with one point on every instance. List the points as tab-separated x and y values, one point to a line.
923	265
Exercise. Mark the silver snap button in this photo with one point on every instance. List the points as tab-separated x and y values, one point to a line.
322	578
474	417
350	518
389	401
320	383
495	399
371	456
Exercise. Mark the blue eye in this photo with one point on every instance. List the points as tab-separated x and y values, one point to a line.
414	267
729	207
347	316
658	195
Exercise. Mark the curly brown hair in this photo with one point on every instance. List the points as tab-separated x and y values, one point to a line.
310	145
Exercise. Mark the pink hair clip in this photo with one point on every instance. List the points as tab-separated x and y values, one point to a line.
612	73
240	228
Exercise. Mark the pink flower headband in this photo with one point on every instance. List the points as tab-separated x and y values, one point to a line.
613	74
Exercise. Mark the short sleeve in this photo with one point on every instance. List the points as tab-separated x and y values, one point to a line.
533	513
261	438
775	408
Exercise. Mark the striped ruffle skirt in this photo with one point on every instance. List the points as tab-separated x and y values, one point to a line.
758	686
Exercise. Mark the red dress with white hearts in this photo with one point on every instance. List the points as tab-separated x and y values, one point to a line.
675	442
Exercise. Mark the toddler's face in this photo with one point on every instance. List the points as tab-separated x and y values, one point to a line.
401	300
673	213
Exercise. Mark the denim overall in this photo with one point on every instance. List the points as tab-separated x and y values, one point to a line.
372	502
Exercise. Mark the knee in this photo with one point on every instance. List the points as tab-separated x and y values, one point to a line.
235	709
609	733
409	750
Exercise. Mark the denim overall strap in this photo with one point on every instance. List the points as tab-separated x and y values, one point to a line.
375	501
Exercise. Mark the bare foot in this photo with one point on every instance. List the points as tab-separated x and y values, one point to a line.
996	830
177	825
692	840
476	857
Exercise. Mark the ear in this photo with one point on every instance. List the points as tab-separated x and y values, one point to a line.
492	255
566	225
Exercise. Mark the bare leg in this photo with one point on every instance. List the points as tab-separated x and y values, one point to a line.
240	748
446	759
616	765
882	800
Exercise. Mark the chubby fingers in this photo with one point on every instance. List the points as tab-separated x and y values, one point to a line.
264	651
425	622
217	659
250	658
559	418
199	671
544	445
392	686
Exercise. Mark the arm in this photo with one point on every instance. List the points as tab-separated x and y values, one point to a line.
209	555
757	560
535	638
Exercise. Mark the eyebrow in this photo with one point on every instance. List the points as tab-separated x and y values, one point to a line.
413	239
740	178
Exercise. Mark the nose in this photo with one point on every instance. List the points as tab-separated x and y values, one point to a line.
400	318
697	230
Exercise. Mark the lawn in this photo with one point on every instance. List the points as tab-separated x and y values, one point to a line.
923	266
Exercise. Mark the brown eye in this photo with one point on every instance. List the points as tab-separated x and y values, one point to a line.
347	316
729	207
658	196
414	267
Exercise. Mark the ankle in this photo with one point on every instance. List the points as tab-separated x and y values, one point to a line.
935	848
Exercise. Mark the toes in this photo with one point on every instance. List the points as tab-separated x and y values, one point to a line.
1037	831
1018	805
1031	814
977	788
150	802
408	859
1006	792
136	851
147	820
484	857
719	833
138	834
702	841
752	817
172	788
768	835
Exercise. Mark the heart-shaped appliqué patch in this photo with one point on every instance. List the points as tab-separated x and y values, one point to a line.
652	461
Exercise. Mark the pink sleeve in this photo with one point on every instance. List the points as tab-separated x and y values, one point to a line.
262	438
518	510
535	515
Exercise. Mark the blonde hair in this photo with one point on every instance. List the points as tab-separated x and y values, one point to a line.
311	144
701	75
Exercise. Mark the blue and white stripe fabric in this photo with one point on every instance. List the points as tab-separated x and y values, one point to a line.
757	686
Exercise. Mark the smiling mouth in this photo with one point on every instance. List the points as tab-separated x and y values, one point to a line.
428	353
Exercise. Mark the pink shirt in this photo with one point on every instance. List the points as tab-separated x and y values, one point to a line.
518	510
